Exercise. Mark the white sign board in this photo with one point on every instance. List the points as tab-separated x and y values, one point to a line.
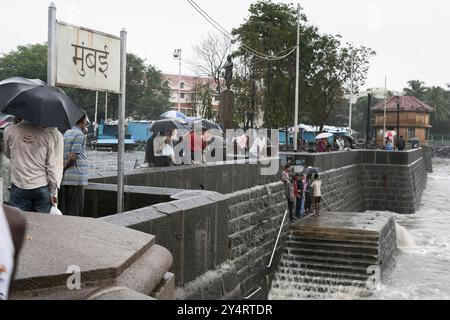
87	59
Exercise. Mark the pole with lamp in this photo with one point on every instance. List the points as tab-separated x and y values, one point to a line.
297	81
351	93
398	120
177	55
369	102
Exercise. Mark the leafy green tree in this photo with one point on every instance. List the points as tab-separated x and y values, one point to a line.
325	64
331	70
205	97
269	29
28	61
147	95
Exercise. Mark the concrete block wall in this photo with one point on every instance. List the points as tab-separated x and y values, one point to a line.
194	230
387	245
362	187
254	219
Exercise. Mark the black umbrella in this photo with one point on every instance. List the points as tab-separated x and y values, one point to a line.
348	137
208	125
43	106
165	126
310	171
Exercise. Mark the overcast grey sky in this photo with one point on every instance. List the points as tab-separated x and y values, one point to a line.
411	37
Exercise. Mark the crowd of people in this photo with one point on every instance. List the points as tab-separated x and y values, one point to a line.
323	145
401	144
161	151
302	192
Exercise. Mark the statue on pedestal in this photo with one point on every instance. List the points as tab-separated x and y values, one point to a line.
228	66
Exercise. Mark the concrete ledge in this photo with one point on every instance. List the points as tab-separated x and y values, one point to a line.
118	293
88	254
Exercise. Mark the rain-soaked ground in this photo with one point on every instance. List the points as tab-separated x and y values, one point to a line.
105	162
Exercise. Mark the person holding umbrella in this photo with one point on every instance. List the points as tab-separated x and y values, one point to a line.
33	167
76	170
163	142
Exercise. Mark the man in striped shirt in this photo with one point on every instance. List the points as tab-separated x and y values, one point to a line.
76	170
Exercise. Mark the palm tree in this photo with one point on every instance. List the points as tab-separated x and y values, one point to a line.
416	89
438	98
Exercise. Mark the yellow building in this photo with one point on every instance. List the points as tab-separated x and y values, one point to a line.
414	118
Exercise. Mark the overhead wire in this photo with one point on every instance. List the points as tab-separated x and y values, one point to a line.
227	34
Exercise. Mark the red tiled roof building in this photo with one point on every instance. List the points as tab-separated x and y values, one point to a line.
414	118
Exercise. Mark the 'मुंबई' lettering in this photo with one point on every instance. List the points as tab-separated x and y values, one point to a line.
89	58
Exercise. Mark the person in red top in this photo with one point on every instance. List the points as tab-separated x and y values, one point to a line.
197	143
322	145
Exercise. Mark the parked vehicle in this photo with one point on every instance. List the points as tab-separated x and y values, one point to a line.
106	138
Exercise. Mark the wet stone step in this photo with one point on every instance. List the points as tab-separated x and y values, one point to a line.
303	290
367	243
332	246
321	273
306	251
283	278
309	293
333	230
326	267
330	261
335	236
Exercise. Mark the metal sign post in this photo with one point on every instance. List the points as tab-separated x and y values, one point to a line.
83	58
51	51
121	129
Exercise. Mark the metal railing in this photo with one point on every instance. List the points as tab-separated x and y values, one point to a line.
278	239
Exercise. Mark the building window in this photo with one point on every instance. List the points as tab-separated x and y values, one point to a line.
182	85
411	133
216	98
181	95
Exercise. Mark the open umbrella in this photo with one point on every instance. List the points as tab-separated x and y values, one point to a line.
192	119
324	135
41	105
348	137
165	125
208	125
173	115
310	171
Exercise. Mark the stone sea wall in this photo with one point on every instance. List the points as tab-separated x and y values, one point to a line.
441	150
254	220
222	238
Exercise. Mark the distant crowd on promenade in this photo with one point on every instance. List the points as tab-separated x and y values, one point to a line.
175	147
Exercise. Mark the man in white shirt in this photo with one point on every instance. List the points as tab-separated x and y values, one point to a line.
258	145
317	185
33	167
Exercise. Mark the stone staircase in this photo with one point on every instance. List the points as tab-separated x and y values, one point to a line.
325	263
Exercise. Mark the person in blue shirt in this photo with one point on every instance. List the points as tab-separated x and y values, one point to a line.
76	170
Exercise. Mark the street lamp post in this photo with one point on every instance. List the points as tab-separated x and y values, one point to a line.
398	120
177	55
368	118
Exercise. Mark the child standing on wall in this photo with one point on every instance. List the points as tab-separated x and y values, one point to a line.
317	185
